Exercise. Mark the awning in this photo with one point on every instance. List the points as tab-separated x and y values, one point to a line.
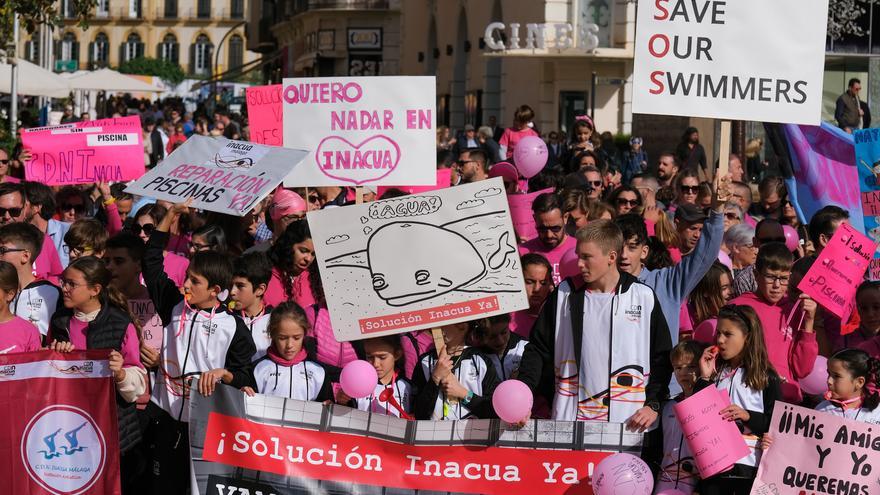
34	80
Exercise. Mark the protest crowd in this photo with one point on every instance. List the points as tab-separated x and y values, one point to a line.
650	276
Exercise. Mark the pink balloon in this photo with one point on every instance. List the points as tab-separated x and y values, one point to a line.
621	474
512	401
724	258
792	239
705	331
670	491
816	383
358	379
568	265
530	156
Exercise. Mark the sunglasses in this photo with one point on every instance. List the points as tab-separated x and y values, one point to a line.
690	189
627	202
78	208
4	162
13	212
594	183
146	228
197	247
732	216
555	229
5	250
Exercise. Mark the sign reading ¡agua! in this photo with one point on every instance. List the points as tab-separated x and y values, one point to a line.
361	130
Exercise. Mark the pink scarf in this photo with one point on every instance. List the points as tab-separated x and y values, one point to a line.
277	359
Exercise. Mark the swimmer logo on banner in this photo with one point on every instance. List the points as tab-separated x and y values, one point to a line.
742	60
420	261
376	131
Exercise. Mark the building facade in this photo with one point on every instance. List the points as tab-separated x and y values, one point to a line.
187	32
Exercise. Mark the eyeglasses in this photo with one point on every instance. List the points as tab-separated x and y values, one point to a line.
627	202
732	216
146	228
77	252
5	250
78	208
314	199
595	183
196	246
544	228
67	284
690	189
13	212
773	279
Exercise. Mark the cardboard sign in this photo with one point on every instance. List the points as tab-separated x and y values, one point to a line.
743	60
361	130
834	277
219	174
333	449
716	443
814	452
521	213
868	163
418	261
264	114
109	150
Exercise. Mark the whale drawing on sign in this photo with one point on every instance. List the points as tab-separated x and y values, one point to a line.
402	273
233	161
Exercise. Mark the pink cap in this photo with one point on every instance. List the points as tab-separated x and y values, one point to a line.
285	203
505	170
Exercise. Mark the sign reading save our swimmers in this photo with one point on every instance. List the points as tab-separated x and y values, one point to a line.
420	261
218	174
377	131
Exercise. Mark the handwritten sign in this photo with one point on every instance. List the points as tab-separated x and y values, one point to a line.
717	444
815	452
419	261
837	273
521	213
361	130
264	114
751	59
109	150
219	174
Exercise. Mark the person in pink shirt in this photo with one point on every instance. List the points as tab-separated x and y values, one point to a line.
16	334
788	323
512	135
329	350
552	241
291	254
537	274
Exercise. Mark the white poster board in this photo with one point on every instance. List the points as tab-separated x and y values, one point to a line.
419	261
738	60
376	131
219	174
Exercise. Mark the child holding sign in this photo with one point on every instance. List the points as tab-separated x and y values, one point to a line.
739	365
285	370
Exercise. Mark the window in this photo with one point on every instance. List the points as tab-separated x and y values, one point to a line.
237	8
134	9
68	9
204	10
169	49
69	49
200	56
102	9
32	50
133	48
99	51
236	52
170	9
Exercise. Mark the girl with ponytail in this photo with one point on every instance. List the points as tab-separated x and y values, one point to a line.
852	386
95	315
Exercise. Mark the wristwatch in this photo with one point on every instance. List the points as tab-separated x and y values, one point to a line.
654	405
467	398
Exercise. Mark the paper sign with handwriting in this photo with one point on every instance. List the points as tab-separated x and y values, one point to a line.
815	452
219	174
521	213
264	114
837	273
361	130
717	444
419	261
109	150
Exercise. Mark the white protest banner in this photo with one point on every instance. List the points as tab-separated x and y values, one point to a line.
742	60
376	131
419	261
219	174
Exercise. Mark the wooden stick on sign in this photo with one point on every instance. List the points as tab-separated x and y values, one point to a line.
439	341
359	195
724	150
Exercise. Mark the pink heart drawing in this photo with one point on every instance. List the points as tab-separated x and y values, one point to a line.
333	151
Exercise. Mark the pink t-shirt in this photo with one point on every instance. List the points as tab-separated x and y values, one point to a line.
131	354
302	290
19	335
175	267
48	263
512	136
554	256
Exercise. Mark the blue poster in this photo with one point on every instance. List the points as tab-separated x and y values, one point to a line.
868	163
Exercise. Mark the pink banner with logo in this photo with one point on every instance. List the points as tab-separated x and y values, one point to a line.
814	452
59	431
521	213
264	114
109	150
716	444
837	273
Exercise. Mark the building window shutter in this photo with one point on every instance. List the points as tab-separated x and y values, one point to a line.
192	59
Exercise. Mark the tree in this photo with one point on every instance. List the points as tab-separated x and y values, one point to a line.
844	15
166	70
33	13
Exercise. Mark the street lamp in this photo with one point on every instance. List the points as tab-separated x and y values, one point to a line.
217	54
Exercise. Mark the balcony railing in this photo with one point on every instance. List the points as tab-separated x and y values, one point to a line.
300	6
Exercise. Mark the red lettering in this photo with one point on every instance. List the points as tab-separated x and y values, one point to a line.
656	78
652	49
663	14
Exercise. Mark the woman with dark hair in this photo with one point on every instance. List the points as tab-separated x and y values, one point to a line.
625	199
291	255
